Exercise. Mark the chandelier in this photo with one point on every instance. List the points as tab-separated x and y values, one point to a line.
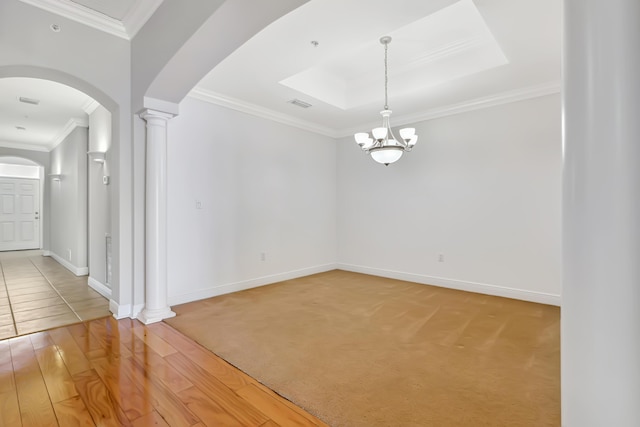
384	147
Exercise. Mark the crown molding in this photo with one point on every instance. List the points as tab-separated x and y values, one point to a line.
23	146
138	15
68	128
521	94
135	18
255	110
449	49
82	14
434	113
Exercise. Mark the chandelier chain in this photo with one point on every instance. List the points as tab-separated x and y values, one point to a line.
386	77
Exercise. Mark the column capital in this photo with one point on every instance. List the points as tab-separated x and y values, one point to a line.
148	113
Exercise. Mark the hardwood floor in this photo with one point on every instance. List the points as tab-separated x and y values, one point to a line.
122	373
37	293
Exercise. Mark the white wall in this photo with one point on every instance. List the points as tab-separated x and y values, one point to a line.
217	28
160	38
99	199
98	64
117	73
263	186
482	188
69	202
160	79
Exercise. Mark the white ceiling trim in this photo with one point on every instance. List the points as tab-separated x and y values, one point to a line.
140	12
23	146
68	128
470	105
82	14
473	104
449	49
256	110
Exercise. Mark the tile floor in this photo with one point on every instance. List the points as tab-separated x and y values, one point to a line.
37	293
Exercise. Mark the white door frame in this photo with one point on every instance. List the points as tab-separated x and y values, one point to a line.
35	242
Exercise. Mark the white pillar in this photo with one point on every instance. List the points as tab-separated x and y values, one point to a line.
601	214
156	305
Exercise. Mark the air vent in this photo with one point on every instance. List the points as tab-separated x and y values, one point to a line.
299	103
21	128
29	100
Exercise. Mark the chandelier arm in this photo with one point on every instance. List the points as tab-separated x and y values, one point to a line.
399	141
374	145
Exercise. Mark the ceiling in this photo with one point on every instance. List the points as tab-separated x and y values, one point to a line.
446	56
41	127
117	9
61	107
122	18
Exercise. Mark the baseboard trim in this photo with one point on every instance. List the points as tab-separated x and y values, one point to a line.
120	311
78	271
248	284
99	287
137	309
481	288
46	252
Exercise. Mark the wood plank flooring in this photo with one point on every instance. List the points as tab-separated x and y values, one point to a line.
107	372
37	293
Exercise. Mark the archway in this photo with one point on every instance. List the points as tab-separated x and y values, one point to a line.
103	168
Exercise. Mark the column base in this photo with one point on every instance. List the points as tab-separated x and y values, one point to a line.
148	316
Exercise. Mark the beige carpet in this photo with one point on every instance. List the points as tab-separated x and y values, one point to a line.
359	350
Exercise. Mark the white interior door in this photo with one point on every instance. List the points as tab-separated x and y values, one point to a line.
19	214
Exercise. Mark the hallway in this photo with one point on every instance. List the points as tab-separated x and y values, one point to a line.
37	293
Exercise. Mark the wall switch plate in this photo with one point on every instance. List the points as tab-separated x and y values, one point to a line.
105	180
198	204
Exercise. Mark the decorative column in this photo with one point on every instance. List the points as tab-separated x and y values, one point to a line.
156	296
601	214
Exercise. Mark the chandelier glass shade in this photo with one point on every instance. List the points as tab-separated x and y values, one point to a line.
382	145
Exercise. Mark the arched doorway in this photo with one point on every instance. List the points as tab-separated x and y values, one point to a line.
75	176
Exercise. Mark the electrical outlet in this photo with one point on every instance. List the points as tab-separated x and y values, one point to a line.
263	256
69	254
198	204
440	257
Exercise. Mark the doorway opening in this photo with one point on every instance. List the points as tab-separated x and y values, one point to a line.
54	198
21	203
